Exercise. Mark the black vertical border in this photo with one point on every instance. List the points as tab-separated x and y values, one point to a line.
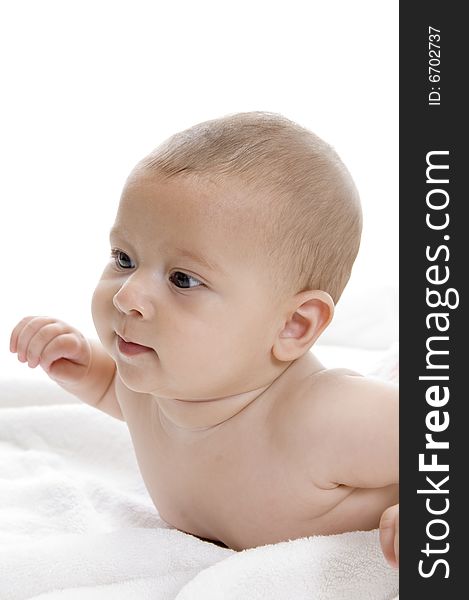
425	128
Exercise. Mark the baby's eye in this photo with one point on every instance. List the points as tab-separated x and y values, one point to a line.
182	280
122	260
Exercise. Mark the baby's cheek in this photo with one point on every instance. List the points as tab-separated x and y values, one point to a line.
101	307
96	302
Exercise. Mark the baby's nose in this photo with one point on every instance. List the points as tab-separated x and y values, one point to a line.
134	297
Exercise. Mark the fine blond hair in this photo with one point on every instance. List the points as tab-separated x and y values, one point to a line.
310	217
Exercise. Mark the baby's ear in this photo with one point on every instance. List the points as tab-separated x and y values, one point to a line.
309	313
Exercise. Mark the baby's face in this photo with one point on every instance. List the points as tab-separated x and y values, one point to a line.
186	280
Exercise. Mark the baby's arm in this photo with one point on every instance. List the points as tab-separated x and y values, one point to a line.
361	447
361	418
78	365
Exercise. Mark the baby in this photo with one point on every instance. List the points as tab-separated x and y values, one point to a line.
232	243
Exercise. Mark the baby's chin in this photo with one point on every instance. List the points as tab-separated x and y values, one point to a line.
142	381
155	388
138	380
145	375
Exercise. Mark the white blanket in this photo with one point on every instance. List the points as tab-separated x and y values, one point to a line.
76	522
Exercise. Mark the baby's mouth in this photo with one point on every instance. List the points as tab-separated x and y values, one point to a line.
131	348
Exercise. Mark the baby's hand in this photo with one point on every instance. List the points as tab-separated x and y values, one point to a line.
389	535
61	350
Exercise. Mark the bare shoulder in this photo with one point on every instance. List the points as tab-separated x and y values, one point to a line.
338	412
335	398
343	386
309	398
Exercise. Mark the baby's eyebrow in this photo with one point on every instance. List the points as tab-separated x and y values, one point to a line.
202	260
183	252
115	232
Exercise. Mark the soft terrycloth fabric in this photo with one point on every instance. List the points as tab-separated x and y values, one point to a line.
76	523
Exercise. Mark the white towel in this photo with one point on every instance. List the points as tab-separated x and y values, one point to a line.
76	522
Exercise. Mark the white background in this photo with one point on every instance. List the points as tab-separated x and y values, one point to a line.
89	87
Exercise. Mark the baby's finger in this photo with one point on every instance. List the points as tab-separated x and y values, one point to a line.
65	346
29	329
16	331
41	339
387	533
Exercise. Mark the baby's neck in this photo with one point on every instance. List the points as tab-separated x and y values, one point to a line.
195	418
180	417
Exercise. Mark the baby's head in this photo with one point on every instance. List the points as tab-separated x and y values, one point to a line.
232	242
